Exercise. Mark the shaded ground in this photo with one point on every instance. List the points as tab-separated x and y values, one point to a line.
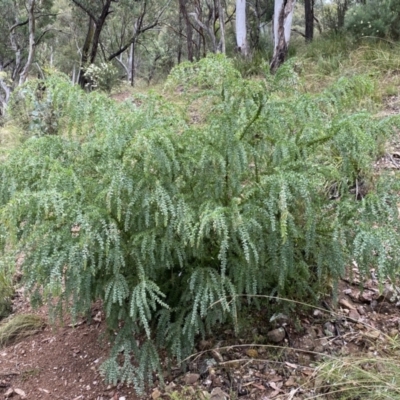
63	363
58	363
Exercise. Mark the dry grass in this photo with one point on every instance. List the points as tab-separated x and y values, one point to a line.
18	327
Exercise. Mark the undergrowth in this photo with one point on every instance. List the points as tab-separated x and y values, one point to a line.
171	221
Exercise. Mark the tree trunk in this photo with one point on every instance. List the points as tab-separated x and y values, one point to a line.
189	29
221	16
132	64
283	16
342	7
309	19
82	80
241	31
32	43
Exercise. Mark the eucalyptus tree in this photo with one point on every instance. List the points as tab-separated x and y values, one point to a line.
283	15
97	13
241	28
209	21
137	18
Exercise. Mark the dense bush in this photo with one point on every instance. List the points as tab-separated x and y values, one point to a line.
171	215
376	18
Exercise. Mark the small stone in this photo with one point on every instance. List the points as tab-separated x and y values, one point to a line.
354	315
190	379
170	387
218	394
156	394
366	297
346	304
318	314
388	294
393	333
361	310
276	335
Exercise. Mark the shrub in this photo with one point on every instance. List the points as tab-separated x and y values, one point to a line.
172	222
104	76
376	18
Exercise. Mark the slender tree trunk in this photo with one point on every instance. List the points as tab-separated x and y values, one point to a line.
180	46
241	31
221	15
283	16
309	19
132	64
32	43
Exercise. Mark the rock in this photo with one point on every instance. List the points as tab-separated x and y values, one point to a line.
388	294
218	394
318	314
170	387
354	315
366	296
190	379
276	335
361	310
393	332
346	304
156	394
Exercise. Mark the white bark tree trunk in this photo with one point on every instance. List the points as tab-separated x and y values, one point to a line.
241	31
283	17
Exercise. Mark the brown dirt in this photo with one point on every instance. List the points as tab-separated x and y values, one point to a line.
59	363
62	363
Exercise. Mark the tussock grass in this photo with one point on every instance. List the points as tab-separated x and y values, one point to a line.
359	377
19	327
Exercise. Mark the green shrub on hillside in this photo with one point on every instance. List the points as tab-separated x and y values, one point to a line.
171	219
376	18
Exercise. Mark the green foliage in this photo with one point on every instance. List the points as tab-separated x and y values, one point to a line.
103	76
377	18
32	110
172	222
6	286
